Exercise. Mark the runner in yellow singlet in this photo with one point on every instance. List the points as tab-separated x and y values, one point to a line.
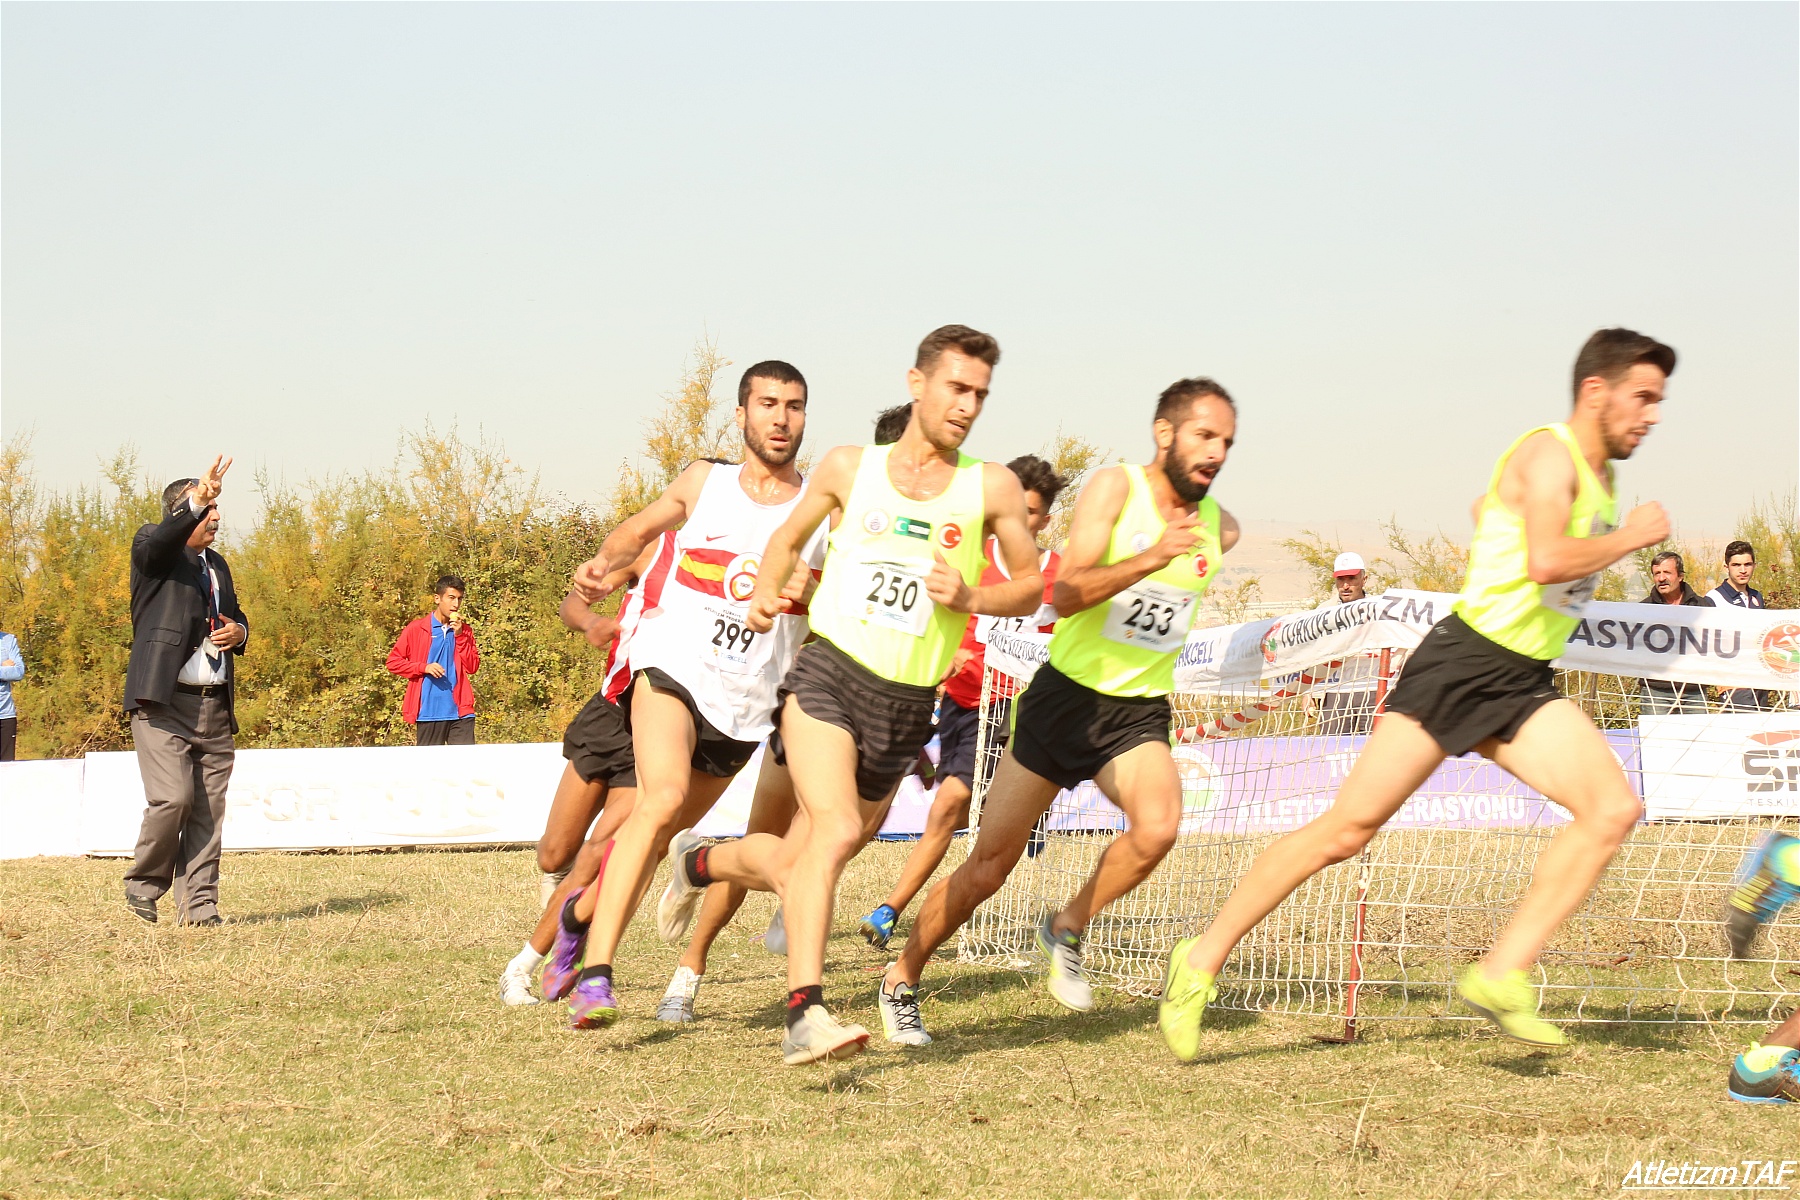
1143	545
1481	680
898	584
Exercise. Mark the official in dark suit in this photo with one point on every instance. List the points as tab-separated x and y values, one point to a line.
186	630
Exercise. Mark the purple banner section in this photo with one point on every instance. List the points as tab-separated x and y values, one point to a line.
1273	785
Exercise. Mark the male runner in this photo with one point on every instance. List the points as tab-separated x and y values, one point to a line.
704	680
958	710
771	811
898	584
599	780
1481	680
1144	544
1767	882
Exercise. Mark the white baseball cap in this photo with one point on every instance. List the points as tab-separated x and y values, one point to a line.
1348	563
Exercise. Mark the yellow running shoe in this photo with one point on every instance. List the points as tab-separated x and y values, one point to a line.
1511	1003
1185	995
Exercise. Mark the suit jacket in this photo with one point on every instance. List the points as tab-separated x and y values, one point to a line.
169	611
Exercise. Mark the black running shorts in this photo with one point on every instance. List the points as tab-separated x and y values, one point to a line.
1068	731
957	728
890	722
598	744
714	754
1464	688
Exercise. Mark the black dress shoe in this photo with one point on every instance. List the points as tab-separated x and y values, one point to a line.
141	907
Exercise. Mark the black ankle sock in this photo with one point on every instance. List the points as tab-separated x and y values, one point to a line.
695	865
801	999
569	923
603	971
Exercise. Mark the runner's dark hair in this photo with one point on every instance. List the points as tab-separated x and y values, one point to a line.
892	423
773	369
1036	475
1179	397
1609	353
960	338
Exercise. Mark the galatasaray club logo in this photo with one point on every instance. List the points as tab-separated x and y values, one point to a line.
875	521
740	576
949	536
1781	649
1271	642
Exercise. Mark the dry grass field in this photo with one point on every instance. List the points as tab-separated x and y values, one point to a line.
342	1037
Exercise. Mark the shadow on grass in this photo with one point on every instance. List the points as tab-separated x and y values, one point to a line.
336	904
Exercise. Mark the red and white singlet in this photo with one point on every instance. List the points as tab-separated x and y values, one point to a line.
618	659
695	598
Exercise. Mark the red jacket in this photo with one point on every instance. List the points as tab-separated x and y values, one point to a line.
411	654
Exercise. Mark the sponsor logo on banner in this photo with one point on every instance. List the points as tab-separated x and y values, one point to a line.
1271	643
1772	763
950	536
875	521
1780	651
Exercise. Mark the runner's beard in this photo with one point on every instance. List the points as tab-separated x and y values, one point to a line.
1183	484
754	442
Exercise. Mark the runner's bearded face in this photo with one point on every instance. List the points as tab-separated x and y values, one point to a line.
1193	449
1632	406
773	421
947	401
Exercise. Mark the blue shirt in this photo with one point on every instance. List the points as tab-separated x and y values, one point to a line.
437	700
12	669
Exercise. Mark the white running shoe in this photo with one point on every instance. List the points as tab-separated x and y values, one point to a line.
900	1014
677	1004
675	910
775	940
818	1036
515	987
1067	984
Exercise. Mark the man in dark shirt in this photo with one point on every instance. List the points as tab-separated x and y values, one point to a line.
1668	586
1740	564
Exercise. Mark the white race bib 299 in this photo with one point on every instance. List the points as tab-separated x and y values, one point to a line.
894	595
731	643
1151	617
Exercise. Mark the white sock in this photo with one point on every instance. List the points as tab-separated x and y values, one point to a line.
526	960
685	983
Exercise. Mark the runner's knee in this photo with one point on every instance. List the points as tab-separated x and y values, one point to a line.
1344	842
1614	814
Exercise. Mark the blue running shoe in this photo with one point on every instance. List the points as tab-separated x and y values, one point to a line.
1767	881
878	926
1765	1075
563	963
591	1004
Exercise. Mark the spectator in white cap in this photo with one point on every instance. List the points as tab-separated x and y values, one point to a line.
1350	577
1347	702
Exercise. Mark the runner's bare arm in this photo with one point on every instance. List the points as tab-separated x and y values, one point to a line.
577	611
1539	483
1229	532
827	488
1081	584
1019	596
626	542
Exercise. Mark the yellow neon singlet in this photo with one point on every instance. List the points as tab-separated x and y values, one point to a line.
1499	600
1127	646
871	601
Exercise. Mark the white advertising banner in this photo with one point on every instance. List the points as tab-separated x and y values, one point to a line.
1721	765
347	797
1723	646
40	807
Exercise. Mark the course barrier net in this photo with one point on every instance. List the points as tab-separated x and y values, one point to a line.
1262	749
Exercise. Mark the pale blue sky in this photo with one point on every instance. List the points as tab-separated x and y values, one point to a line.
290	231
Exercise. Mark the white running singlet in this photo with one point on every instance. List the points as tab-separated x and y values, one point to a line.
696	596
617	676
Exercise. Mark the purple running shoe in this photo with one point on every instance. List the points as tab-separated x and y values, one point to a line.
563	963
591	1004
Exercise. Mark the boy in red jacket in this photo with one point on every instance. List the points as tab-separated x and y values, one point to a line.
436	654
